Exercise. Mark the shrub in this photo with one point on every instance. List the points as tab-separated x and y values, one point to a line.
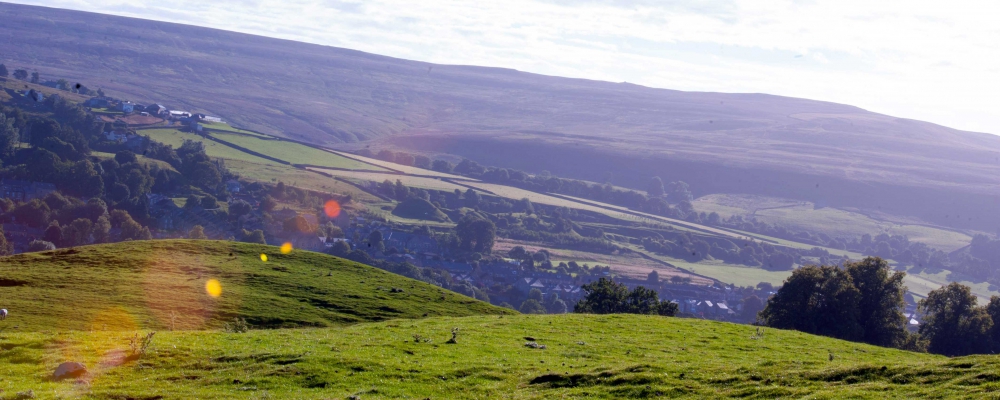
139	345
239	325
40	245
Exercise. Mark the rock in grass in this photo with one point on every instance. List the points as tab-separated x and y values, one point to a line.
69	370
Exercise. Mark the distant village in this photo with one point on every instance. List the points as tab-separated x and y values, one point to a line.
502	279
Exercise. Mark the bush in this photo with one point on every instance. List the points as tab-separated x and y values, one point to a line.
139	345
40	245
239	325
415	208
532	306
209	202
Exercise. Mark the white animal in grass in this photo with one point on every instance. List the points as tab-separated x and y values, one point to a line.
3	314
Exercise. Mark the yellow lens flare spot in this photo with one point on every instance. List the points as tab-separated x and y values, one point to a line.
263	257
213	288
286	248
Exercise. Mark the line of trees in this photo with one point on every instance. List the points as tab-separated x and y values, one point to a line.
606	296
863	302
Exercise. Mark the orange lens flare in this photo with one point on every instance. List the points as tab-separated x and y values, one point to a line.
331	208
213	288
286	248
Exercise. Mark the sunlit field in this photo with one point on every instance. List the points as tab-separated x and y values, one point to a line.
161	284
295	153
585	356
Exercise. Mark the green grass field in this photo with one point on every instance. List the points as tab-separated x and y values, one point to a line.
175	137
221	126
162	283
410	181
803	216
586	356
356	337
740	275
926	281
295	153
273	173
143	159
403	168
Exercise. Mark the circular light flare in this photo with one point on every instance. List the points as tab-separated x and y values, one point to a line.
331	208
286	248
263	257
213	287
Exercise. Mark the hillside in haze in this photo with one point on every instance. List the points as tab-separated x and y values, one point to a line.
827	153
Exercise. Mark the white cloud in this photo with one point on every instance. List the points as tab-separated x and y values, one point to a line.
934	61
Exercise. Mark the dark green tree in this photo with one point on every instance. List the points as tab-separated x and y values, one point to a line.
6	248
678	192
471	198
375	241
192	202
952	324
125	157
255	236
102	230
422	162
20	74
993	309
3	71
298	224
476	234
880	309
77	233
239	208
197	232
132	230
555	305
53	233
653	278
442	166
603	297
820	300
209	202
339	249
268	204
8	137
40	245
531	306
608	297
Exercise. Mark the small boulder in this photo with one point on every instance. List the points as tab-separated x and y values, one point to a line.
69	370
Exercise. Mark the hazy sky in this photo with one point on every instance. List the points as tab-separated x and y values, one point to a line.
937	61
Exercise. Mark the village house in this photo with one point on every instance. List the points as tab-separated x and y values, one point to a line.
155	109
177	114
126	107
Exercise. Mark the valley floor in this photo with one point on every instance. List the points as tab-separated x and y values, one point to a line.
585	356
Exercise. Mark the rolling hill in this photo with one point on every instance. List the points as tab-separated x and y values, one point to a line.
826	153
163	284
585	356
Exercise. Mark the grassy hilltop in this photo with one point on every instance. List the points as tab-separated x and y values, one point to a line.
162	284
586	356
362	338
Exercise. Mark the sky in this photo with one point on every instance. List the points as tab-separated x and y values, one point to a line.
935	61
